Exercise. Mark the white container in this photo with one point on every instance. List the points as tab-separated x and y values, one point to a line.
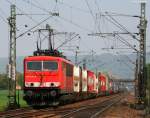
76	81
76	71
96	84
84	80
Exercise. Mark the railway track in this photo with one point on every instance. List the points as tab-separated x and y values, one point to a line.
24	109
91	110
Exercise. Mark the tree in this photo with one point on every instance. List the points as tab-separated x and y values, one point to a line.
3	81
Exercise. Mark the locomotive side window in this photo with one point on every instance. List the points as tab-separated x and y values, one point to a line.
69	70
34	66
50	65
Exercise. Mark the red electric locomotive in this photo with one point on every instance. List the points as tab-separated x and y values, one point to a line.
46	78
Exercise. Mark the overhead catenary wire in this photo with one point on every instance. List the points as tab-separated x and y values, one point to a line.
90	9
123	27
42	21
61	17
91	12
119	14
67	41
64	19
96	3
75	24
127	43
22	12
36	6
3	19
3	16
43	9
38	23
2	11
99	23
34	27
99	12
76	8
117	24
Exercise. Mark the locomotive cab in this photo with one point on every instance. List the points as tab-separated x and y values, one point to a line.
42	80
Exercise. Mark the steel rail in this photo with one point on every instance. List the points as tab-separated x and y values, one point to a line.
104	109
102	104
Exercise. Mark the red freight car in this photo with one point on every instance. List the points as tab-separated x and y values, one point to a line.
102	80
91	78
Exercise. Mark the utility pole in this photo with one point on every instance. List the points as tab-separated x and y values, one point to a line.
76	55
142	61
136	76
12	102
84	63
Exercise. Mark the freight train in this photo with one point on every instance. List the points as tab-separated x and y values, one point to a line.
51	79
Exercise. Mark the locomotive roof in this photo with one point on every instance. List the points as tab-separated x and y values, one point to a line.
40	58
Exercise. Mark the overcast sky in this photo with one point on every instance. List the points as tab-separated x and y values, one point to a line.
80	16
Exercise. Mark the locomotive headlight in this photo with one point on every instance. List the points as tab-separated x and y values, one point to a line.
27	84
52	84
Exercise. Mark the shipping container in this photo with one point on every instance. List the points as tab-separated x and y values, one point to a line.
91	80
76	81
84	80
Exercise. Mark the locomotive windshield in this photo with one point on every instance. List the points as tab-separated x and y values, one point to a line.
37	65
50	65
42	65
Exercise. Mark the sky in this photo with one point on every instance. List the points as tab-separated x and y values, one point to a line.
80	17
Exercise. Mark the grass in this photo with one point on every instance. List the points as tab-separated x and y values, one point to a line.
4	99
